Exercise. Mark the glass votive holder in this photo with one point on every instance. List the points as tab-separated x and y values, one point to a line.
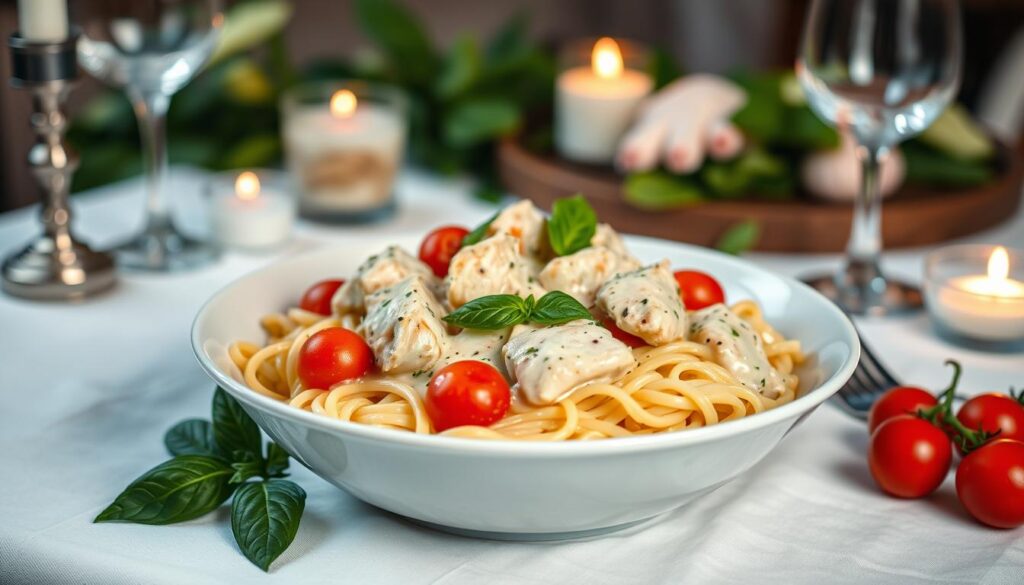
977	291
600	86
344	143
250	209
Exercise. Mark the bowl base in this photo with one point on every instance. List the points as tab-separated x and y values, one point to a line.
533	536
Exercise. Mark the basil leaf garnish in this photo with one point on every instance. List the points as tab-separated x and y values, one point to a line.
191	437
265	517
181	489
478	233
490	312
277	460
556	307
234	432
571	226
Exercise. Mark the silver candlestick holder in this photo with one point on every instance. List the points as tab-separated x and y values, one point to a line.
54	266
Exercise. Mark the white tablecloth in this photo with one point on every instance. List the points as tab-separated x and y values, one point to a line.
87	391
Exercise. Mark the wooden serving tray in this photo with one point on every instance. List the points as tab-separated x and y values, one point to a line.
915	216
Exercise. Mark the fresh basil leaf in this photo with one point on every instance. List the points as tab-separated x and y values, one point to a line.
489	313
277	460
245	470
474	121
572	225
191	437
401	37
265	517
556	307
739	238
181	489
478	233
234	432
658	190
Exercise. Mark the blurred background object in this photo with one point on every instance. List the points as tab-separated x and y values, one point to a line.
447	55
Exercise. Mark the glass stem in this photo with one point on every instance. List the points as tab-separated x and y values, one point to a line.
151	112
865	245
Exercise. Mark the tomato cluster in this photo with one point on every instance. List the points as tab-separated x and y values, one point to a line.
911	449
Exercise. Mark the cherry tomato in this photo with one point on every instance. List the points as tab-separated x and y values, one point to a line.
990	483
908	456
897	401
333	355
698	289
317	298
467	393
627	338
994	412
440	245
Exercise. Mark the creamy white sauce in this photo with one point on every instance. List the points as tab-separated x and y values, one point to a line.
646	303
738	348
403	327
548	363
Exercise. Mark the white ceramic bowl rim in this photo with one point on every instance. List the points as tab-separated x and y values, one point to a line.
800	405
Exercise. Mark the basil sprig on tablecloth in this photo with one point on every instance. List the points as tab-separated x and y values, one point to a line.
211	462
500	311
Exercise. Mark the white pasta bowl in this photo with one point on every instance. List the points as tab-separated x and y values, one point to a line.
529	490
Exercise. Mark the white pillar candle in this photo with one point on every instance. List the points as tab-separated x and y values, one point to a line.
594	105
43	21
344	156
251	216
988	307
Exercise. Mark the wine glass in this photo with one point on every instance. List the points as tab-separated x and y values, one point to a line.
151	49
883	70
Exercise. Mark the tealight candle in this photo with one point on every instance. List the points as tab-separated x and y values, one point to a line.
344	145
250	213
988	306
596	101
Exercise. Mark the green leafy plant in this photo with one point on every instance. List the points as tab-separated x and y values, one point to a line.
461	101
212	461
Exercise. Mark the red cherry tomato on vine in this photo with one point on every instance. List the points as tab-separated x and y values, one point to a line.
994	412
698	289
440	245
467	393
897	401
317	298
909	457
990	483
627	338
331	356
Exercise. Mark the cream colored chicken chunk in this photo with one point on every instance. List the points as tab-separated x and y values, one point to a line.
646	303
737	348
546	364
582	273
379	271
524	222
403	327
493	266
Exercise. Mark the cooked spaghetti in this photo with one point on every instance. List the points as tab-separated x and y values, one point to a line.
687	370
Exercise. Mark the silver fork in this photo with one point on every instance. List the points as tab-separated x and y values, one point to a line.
869	381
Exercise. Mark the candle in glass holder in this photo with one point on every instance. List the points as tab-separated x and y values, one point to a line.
987	306
344	145
596	101
249	213
43	21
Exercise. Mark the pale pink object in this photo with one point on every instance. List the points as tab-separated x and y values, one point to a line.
836	174
682	123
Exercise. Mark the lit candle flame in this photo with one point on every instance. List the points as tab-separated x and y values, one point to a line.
247	186
343	103
606	59
999	264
